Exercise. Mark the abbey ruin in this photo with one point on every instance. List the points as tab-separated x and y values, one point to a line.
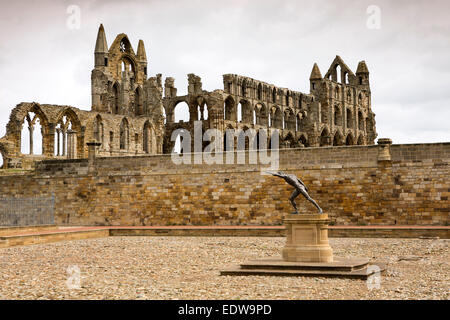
326	136
133	114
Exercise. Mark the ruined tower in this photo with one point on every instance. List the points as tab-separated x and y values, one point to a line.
119	76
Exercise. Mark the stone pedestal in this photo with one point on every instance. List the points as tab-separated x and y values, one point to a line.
307	253
307	238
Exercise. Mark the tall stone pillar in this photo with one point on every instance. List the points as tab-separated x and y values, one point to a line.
71	144
92	151
31	128
48	141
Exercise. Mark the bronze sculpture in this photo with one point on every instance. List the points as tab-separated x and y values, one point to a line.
299	186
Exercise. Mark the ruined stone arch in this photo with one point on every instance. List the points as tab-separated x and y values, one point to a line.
36	131
124	134
349	140
303	140
229	109
360	140
72	116
324	139
34	108
68	135
338	70
290	119
338	138
123	51
127	64
274	95
202	108
262	114
289	141
123	43
181	111
278	118
245	111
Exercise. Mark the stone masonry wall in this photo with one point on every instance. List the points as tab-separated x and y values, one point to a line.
351	184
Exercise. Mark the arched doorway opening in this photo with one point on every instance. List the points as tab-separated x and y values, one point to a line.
302	141
324	138
337	139
124	135
349	140
32	134
182	113
229	112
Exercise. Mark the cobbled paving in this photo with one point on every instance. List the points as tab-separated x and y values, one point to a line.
188	268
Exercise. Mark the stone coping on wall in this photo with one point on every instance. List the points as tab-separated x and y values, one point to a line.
8	230
63	233
313	157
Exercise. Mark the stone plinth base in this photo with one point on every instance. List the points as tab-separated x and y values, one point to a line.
307	238
343	268
307	253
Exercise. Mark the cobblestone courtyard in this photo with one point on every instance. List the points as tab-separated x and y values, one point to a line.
188	268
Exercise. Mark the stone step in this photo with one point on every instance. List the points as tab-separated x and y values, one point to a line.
51	236
362	274
11	230
338	264
357	274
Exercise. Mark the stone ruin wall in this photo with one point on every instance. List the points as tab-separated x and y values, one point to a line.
336	112
357	185
128	110
119	135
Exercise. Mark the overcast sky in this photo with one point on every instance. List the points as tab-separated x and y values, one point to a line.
45	58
